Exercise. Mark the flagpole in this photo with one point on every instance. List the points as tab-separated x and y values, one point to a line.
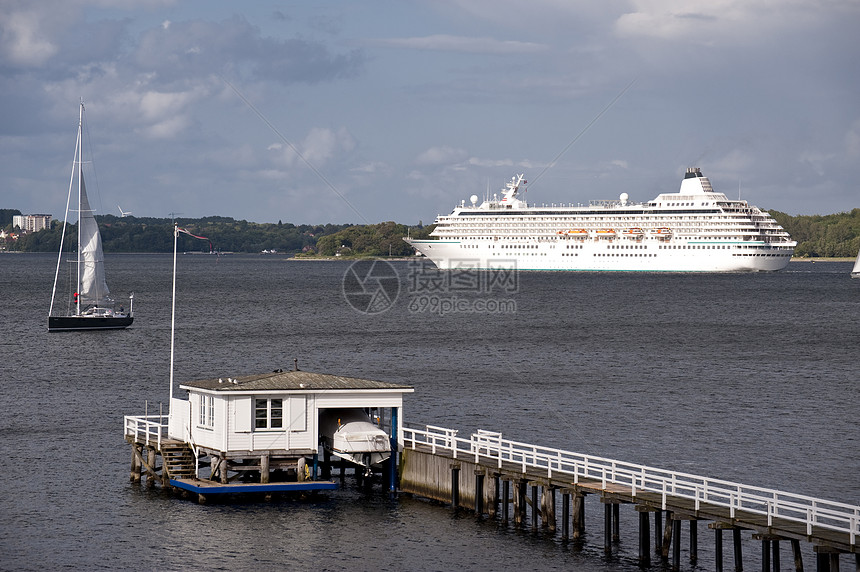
173	307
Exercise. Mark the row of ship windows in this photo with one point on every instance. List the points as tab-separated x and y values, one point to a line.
676	221
623	246
679	230
609	219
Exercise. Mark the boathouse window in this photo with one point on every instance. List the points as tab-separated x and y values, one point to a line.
207	410
268	413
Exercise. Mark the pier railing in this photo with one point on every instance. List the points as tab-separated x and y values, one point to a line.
489	447
148	429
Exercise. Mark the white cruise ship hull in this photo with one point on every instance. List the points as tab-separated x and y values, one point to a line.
600	256
693	230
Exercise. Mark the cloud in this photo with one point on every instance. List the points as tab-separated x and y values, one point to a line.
446	43
22	42
490	163
198	48
441	156
319	146
724	21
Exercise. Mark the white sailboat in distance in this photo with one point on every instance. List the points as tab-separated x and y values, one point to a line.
855	272
89	305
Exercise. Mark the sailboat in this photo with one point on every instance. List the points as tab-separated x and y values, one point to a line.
855	272
89	306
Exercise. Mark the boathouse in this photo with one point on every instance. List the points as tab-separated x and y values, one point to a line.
257	429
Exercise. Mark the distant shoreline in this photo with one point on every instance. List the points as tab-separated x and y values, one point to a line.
822	259
353	258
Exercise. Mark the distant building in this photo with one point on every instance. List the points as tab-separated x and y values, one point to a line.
32	222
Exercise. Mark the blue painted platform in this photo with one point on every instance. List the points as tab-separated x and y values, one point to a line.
213	488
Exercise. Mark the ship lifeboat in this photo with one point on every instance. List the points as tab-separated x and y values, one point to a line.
577	233
635	232
662	232
605	233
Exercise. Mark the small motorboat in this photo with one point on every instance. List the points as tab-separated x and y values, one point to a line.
353	436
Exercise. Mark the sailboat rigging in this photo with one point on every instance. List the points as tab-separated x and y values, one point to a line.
92	308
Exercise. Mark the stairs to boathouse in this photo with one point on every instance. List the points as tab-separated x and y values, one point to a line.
177	459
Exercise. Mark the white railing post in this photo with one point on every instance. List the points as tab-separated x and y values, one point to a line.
665	483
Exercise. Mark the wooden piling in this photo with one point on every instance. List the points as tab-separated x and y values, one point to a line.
494	507
736	539
479	491
676	542
644	537
547	507
506	500
565	515
578	515
535	507
822	562
667	538
775	554
134	474
718	549
694	541
455	485
607	527
765	555
264	468
520	495
150	470
798	557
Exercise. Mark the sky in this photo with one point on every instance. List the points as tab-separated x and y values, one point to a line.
364	112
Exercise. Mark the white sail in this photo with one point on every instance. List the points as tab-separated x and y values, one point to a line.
94	290
855	272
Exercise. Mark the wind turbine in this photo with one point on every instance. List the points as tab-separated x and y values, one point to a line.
123	213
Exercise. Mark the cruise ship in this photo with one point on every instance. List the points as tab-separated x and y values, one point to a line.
692	230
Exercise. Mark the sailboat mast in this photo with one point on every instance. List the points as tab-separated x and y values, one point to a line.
80	156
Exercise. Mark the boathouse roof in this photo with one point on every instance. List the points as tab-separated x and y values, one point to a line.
294	380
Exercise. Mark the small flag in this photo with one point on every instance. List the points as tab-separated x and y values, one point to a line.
182	230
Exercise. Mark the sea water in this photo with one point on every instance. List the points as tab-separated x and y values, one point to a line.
744	377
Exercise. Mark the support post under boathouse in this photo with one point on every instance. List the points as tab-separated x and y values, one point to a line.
525	480
265	433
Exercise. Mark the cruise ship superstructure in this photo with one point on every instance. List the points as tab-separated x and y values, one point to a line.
692	230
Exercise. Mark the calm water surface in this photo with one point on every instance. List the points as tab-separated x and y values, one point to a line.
746	377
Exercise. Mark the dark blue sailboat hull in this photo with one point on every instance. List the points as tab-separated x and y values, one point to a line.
70	323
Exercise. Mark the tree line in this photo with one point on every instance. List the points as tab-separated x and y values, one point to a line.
834	235
222	234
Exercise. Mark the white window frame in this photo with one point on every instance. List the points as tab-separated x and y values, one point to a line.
206	404
269	421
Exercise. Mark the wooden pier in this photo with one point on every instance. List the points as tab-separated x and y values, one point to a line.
171	464
237	440
512	481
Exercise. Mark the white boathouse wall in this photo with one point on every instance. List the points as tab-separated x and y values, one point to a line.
232	428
